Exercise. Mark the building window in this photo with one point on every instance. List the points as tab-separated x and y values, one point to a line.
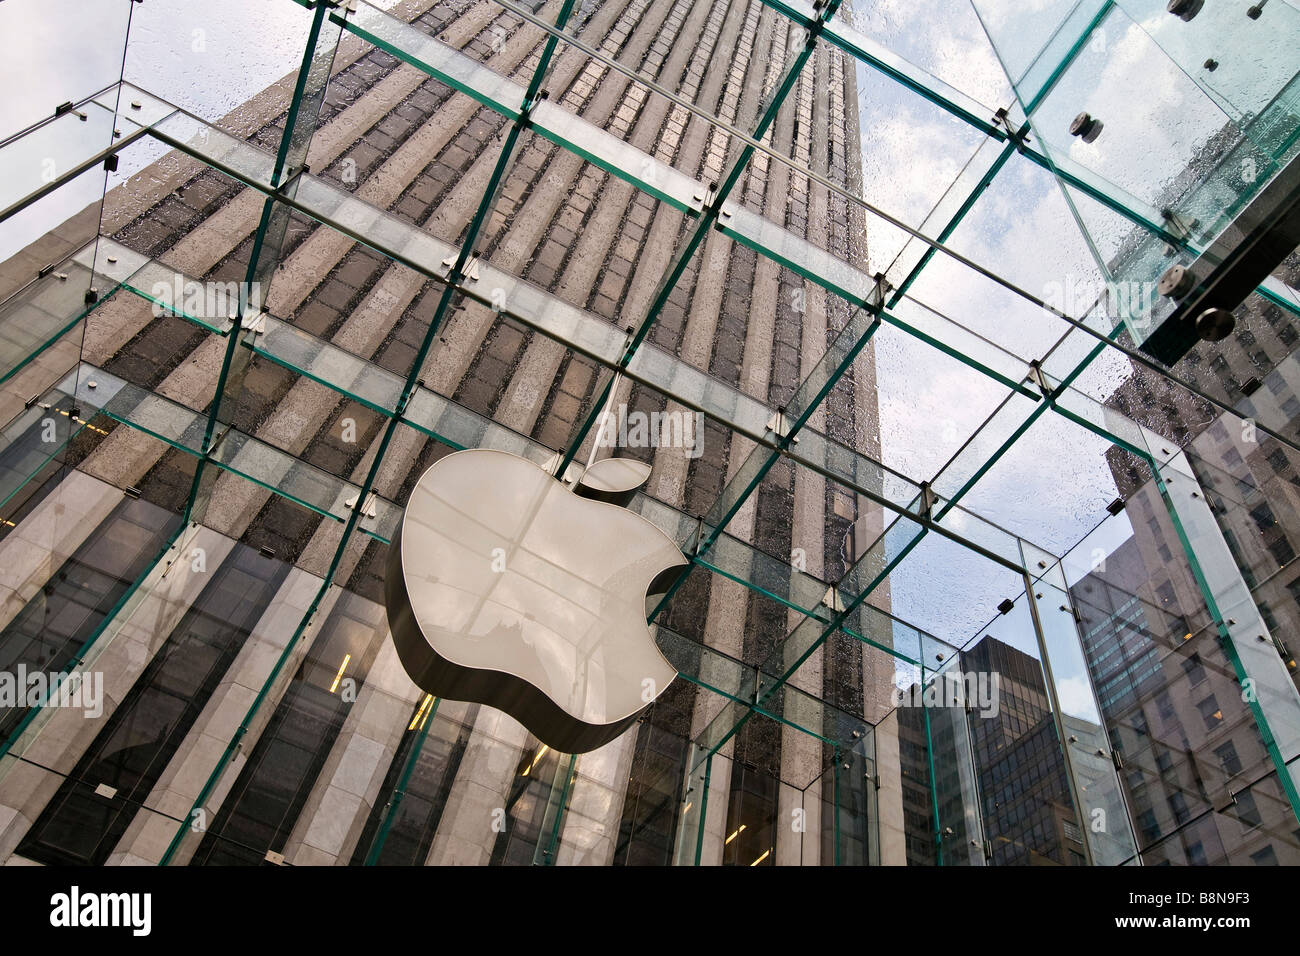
1266	613
1210	712
1165	706
1265	857
1263	516
1148	828
1194	669
82	824
1228	759
1178	805
1282	551
1247	811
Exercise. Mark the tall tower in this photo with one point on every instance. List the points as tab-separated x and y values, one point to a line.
305	742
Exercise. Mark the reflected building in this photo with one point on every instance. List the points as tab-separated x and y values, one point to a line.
1196	777
1019	773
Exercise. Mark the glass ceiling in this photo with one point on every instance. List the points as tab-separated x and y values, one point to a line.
997	267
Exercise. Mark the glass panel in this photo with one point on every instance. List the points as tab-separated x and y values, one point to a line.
69	50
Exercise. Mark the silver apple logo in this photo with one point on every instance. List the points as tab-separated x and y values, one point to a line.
506	588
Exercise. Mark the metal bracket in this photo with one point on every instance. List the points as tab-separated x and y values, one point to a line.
833	600
293	178
1039	379
470	272
1179	227
928	499
699	536
779	425
876	300
705	198
69	108
1002	120
254	322
571	474
369	510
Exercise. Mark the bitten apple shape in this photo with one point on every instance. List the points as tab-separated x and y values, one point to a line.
506	588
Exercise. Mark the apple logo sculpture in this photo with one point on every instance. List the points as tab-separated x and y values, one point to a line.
506	588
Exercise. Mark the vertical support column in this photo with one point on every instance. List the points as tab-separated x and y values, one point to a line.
955	789
557	802
1090	765
695	808
268	241
1265	684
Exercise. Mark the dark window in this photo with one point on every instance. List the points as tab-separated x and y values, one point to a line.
48	632
267	799
410	834
1228	759
1265	857
1194	669
80	826
1165	706
1178	805
1247	811
1263	516
1148	828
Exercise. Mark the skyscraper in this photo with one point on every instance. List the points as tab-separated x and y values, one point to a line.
339	758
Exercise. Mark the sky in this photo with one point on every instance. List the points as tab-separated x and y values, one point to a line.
1053	486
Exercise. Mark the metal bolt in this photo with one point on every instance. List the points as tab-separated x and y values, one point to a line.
1215	325
1176	282
1086	127
1211	64
1185	9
